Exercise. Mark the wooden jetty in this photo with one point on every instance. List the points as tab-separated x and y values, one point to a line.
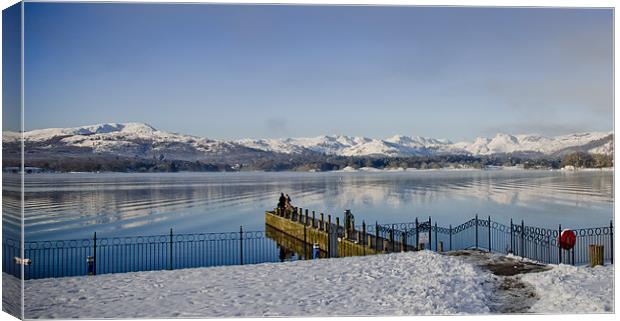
299	230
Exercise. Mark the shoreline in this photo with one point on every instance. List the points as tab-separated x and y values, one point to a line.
358	170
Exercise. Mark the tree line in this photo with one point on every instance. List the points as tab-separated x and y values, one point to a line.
312	162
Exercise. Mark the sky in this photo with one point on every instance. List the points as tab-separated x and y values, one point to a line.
229	72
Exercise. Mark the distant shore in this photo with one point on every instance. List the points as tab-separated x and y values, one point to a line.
350	170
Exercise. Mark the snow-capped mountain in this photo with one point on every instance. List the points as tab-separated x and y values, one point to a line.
143	141
399	145
134	140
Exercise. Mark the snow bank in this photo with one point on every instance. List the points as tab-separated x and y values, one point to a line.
570	289
392	284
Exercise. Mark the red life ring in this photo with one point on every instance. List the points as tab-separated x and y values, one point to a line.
567	239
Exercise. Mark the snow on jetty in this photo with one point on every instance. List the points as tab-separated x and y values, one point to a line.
411	283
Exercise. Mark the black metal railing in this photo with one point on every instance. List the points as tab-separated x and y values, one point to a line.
99	255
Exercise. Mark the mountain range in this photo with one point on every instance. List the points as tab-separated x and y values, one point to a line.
139	140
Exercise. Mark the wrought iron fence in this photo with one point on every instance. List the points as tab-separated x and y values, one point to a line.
96	255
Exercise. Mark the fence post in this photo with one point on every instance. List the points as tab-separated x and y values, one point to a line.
436	248
322	222
559	247
328	228
403	242
363	238
489	233
95	254
611	235
511	238
241	245
476	231
417	235
313	219
522	238
376	236
430	234
305	244
170	248
392	237
337	226
450	237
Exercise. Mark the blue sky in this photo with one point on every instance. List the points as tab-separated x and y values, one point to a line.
230	72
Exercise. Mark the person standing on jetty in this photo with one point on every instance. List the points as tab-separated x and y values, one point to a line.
282	202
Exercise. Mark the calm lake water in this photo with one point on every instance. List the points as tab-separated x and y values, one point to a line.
66	206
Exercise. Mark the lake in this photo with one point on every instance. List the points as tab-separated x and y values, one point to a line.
67	206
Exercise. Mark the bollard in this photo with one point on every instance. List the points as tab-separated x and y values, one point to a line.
386	245
440	247
403	242
596	255
422	246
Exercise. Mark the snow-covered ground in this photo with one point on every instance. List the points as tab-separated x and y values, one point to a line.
411	283
566	288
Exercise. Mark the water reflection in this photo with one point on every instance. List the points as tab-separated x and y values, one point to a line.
76	205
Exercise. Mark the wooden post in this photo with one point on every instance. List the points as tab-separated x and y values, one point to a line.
376	237
436	236
337	226
596	255
306	218
321	223
440	247
363	238
328	228
313	220
305	244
